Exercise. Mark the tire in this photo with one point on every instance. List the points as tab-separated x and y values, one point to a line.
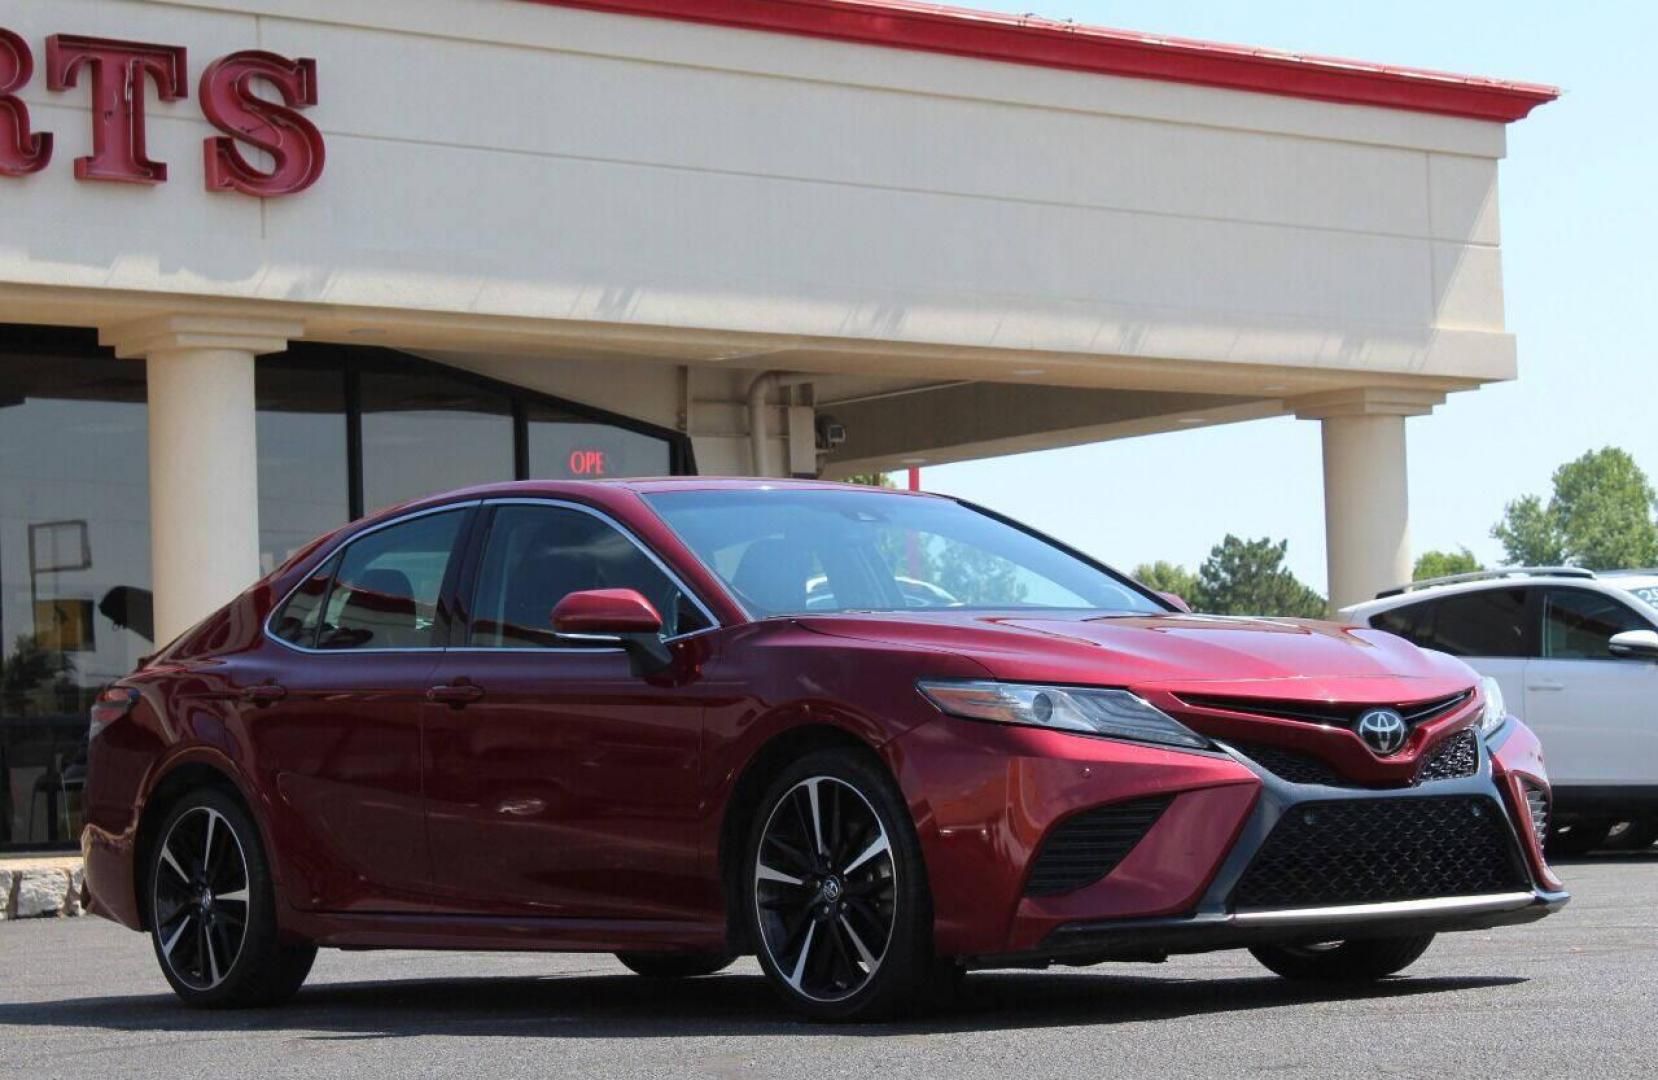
212	908
842	928
670	965
1577	838
1636	835
1345	961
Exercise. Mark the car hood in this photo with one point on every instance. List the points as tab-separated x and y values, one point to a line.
1300	658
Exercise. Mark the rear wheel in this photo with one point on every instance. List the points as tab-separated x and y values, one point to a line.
836	893
213	911
1344	961
1636	835
1578	837
669	965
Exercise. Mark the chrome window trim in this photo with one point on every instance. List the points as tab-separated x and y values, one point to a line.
370	531
565	504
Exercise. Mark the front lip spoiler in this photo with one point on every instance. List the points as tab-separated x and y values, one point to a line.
1154	939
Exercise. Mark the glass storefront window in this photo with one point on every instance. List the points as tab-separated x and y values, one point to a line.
430	431
303	474
563	446
75	602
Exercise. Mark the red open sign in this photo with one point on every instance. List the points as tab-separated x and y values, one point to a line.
587	463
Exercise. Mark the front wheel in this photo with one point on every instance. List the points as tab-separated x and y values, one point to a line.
836	893
1344	961
672	965
213	910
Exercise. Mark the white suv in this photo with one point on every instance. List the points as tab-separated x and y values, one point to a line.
1576	655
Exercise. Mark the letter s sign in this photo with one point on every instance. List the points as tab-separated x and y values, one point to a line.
293	142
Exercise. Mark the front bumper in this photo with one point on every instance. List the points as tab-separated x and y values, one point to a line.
1155	939
1176	891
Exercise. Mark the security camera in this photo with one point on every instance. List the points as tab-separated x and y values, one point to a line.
830	433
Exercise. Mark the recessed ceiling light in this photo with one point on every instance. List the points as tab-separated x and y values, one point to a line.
1026	372
912	461
1191	420
1275	388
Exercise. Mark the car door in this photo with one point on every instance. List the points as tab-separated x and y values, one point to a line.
334	703
1597	714
559	781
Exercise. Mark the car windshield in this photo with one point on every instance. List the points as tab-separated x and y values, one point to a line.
800	552
1644	590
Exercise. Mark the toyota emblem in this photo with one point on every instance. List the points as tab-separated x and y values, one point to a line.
1383	730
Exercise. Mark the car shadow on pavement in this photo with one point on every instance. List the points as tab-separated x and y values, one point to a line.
626	1006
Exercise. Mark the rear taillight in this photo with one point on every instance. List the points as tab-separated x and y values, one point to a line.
111	705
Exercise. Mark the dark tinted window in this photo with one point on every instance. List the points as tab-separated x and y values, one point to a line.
385	595
537	555
1490	622
303	474
1577	624
567	446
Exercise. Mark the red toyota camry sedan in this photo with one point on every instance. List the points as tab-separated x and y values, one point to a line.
875	739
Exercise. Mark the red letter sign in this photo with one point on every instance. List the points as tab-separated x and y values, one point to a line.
20	152
118	73
294	143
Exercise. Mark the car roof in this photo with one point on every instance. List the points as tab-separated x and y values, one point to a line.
1617	582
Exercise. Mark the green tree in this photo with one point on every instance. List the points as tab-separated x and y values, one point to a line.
1248	577
1599	516
1438	564
873	479
1167	577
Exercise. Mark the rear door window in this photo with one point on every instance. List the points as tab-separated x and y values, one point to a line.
1488	622
386	592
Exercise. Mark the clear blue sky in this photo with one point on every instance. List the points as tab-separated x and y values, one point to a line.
1578	196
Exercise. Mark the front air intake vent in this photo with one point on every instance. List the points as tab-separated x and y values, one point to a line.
1369	851
1085	847
1537	804
1453	759
1294	767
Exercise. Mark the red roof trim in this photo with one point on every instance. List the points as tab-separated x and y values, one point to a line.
1016	39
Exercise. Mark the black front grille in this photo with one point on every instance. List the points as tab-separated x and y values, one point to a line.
1453	759
1368	851
1334	714
1087	846
1294	767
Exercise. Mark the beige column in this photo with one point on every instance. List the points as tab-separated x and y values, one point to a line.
1366	496
204	464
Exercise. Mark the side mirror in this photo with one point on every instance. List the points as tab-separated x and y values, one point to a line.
622	615
1634	644
1177	600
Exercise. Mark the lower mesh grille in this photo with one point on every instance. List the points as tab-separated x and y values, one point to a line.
1294	767
1367	851
1084	848
1453	759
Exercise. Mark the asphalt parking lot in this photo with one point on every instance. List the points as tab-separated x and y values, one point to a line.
1575	995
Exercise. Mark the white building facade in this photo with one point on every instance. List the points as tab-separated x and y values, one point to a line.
269	264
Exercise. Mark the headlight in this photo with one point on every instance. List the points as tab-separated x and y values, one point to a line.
1115	714
1496	711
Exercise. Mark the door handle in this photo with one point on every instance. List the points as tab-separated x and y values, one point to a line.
1548	684
264	694
456	695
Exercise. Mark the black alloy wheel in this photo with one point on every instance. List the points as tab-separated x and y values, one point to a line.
212	911
837	896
